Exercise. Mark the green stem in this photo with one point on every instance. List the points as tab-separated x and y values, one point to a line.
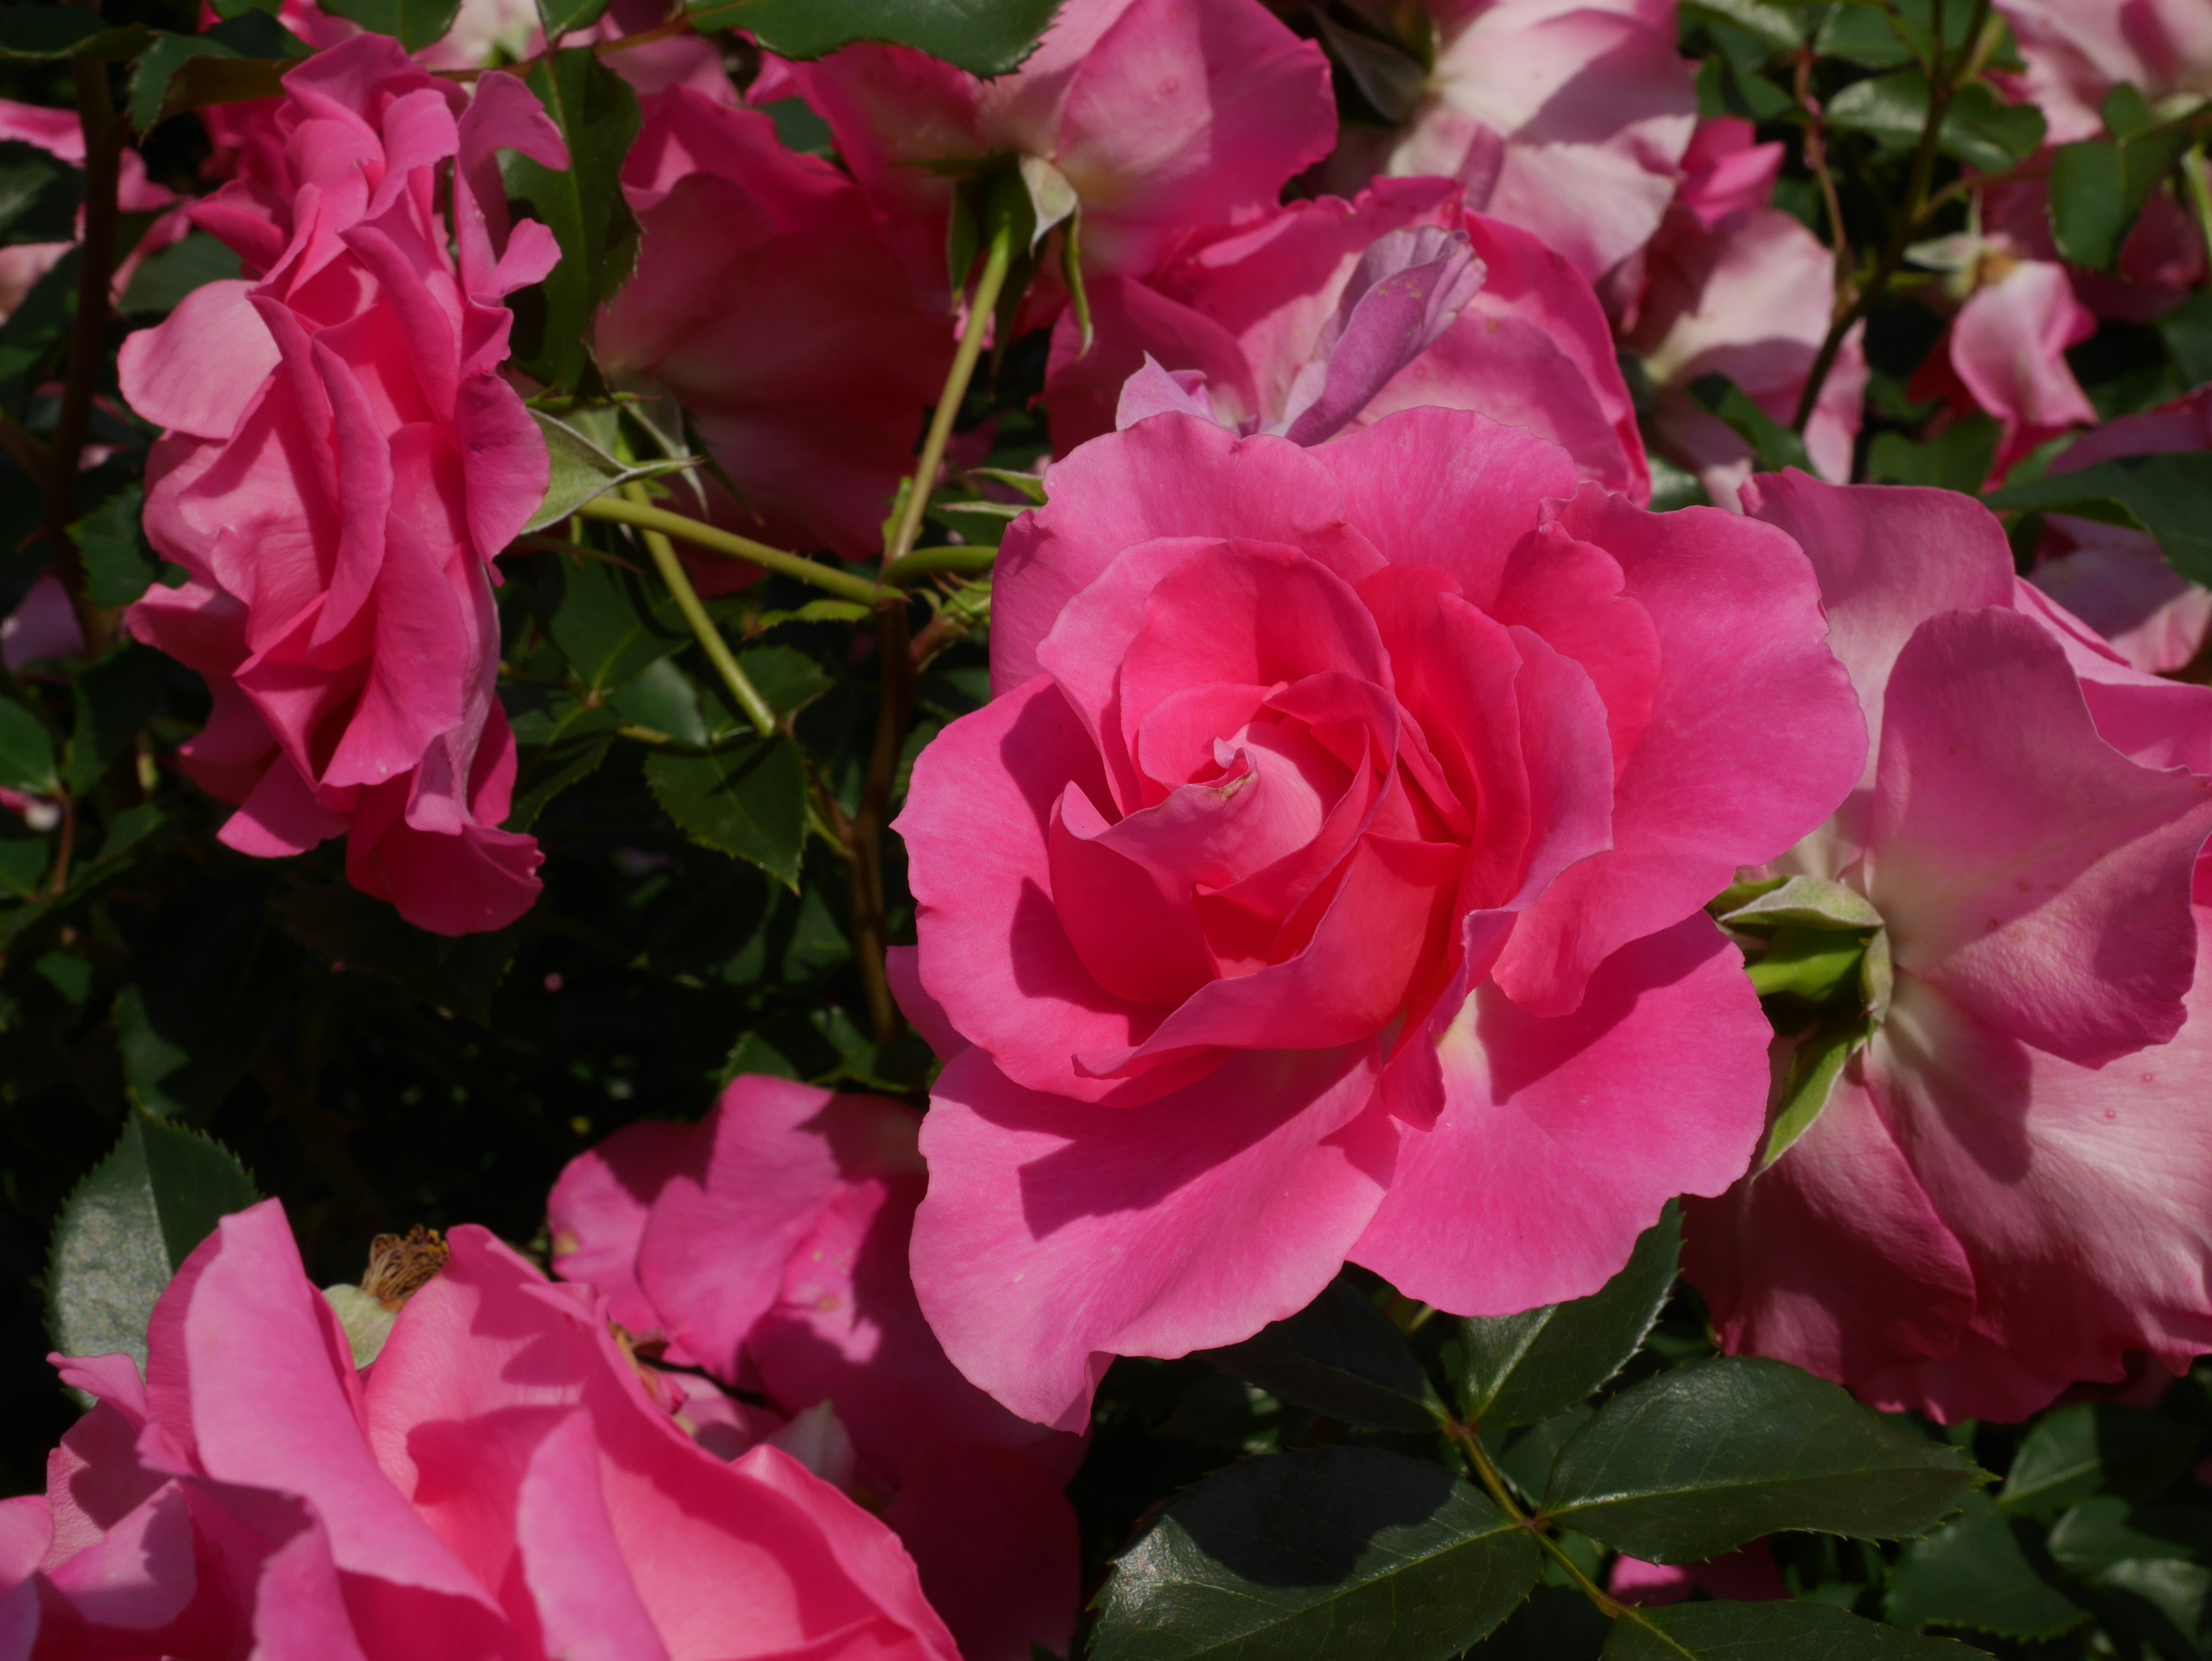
929	561
710	637
981	305
2200	192
1502	1497
716	541
1943	84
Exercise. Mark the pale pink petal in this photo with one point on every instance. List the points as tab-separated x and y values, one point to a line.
2007	347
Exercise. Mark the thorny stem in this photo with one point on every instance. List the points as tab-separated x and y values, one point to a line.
754	706
65	845
718	541
105	135
1943	82
1502	1496
1816	158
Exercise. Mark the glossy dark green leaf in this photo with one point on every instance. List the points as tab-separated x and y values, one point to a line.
417	23
34	330
208	978
38	195
2162	1600
983	39
611	623
1348	1554
2098	190
1520	1368
117	565
1558	1623
2187	332
128	1227
2107	1529
1862	35
114	699
789	678
162	280
63	32
665	700
182	72
1979	128
1785	1631
2168	495
356	935
1700	1460
26	751
561	744
747	799
1973	1572
1957	458
584	207
2093	1447
1341	1356
560	16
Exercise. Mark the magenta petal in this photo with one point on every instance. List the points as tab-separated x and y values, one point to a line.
2037	876
1743	662
1565	1131
997	1545
200	369
1057	1235
587	1608
597	1208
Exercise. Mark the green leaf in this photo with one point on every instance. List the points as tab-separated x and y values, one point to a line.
1341	1356
1351	1553
560	17
2168	495
1520	1368
1786	1631
983	39
37	326
113	700
357	934
1862	35
38	195
183	72
209	979
747	799
23	861
584	207
2107	1529
665	700
1774	444
1972	1573
162	280
1770	25
418	23
611	622
128	1227
582	469
2098	191
1957	458
2093	1447
118	566
64	32
561	744
789	678
1979	128
27	752
1557	1623
2162	1600
1700	1460
2188	335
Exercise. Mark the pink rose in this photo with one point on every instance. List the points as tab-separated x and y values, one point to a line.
342	465
769	1246
1567	118
1323	881
769	303
2010	1186
2115	580
498	1481
1163	116
2162	262
2004	354
1281	319
2077	51
1732	287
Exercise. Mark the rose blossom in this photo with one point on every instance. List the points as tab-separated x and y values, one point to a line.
769	1246
1322	883
1162	117
499	1481
1282	321
1567	118
2117	580
2009	1186
2077	51
767	300
1734	287
343	463
60	134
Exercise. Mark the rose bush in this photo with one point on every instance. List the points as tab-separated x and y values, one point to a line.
1331	852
